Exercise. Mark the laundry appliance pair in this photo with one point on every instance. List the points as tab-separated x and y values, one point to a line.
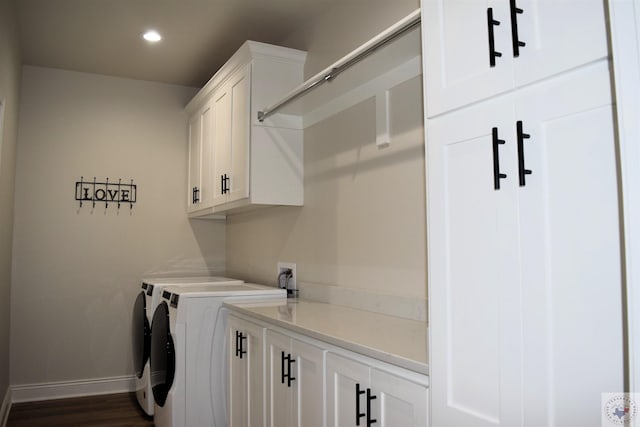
145	302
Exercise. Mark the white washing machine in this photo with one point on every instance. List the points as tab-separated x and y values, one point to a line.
141	327
188	347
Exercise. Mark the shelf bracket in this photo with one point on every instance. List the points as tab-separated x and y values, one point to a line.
383	120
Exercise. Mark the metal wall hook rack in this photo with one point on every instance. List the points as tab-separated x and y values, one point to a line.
106	192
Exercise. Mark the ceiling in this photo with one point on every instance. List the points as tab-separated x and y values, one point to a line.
103	36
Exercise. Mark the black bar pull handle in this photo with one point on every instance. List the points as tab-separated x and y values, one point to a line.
358	413
522	170
370	397
497	175
493	53
240	351
195	195
243	339
290	377
225	184
289	360
517	44
237	343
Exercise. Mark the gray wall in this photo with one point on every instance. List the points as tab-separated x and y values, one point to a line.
77	270
363	222
9	90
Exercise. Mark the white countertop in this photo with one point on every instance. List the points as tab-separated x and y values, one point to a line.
398	341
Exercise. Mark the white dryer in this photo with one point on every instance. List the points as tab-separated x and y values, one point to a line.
146	299
188	347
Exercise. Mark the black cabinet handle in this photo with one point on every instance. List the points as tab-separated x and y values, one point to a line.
289	360
289	376
522	171
517	44
497	176
240	351
358	413
493	53
225	182
195	195
370	397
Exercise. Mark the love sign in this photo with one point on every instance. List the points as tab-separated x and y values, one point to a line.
106	192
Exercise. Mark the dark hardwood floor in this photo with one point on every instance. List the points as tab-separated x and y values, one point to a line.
114	410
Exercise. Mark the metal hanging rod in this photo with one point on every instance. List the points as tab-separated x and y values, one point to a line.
392	33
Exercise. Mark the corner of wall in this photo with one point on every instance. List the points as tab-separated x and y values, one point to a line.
5	408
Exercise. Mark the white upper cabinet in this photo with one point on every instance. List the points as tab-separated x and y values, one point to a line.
478	48
249	162
232	130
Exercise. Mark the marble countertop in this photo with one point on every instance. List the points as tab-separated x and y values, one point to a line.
395	340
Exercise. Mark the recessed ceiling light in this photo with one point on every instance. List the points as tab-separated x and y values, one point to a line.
152	36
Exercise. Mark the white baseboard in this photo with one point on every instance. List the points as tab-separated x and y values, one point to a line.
5	408
62	389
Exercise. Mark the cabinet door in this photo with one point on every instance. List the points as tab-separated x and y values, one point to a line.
401	402
570	249
280	394
206	162
299	401
473	269
221	143
344	377
239	92
309	394
195	156
246	374
558	36
456	52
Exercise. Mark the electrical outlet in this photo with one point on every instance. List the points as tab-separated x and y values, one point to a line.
282	266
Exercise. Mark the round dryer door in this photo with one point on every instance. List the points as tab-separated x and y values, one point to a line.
163	359
141	334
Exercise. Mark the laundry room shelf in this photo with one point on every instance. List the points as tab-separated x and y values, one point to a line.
389	58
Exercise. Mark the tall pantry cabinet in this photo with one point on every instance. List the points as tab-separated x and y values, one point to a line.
524	247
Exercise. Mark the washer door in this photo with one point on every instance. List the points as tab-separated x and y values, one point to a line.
141	334
163	358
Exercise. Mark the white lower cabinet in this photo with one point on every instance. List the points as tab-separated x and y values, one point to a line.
246	373
295	382
279	378
359	394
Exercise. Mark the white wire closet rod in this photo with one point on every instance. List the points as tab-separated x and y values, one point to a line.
328	74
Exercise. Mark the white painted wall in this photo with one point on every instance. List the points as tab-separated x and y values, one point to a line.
362	226
9	95
76	270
